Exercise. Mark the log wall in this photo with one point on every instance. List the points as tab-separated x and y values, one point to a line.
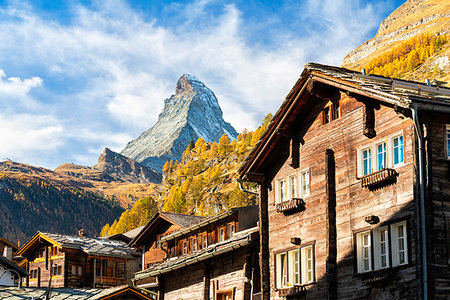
344	136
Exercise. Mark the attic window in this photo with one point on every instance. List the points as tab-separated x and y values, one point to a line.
331	112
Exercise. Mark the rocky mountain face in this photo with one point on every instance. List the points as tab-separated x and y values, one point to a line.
119	166
191	113
413	18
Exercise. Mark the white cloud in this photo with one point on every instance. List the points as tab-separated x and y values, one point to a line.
109	68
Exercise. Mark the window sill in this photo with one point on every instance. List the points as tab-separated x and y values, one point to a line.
290	205
379	178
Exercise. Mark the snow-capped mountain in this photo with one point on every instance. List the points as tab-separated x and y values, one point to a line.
191	113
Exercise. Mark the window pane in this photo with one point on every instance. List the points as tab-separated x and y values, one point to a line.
282	186
367	163
307	264
448	143
305	183
398	150
293	186
381	156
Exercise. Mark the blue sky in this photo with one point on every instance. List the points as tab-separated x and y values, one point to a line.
78	76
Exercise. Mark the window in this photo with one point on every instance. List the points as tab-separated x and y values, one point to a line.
397	150
293	186
381	156
384	248
326	118
307	265
448	141
336	110
281	190
193	244
184	248
304	178
295	267
230	229
366	162
221	234
59	270
204	240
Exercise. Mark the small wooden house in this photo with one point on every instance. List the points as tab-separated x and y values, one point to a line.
77	261
162	224
213	259
10	273
354	183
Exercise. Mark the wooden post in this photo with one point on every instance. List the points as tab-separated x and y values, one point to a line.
369	120
331	265
206	280
264	240
160	283
95	271
294	150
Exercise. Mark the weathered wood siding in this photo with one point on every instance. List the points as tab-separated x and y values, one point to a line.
43	266
226	272
438	194
345	136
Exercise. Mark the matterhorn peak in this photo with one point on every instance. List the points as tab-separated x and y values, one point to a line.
191	113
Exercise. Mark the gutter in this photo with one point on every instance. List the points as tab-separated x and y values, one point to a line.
422	201
241	187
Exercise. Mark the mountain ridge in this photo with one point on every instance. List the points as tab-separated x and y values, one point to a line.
192	112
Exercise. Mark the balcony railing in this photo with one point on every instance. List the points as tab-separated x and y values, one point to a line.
378	177
292	291
113	281
290	205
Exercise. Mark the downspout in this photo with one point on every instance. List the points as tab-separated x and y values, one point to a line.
422	202
165	251
241	187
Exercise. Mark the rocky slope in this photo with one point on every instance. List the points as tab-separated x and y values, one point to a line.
126	169
191	113
412	18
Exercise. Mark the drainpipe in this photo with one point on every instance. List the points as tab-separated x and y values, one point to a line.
422	202
241	187
165	251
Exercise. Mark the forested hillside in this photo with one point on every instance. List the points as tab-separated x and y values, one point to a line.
29	204
203	183
407	57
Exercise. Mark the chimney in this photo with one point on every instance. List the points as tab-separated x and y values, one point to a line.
82	232
7	252
363	71
427	81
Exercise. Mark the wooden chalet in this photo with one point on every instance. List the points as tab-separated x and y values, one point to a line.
216	258
162	223
77	261
354	189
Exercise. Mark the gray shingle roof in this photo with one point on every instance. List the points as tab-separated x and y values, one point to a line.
11	265
182	220
94	246
240	239
12	293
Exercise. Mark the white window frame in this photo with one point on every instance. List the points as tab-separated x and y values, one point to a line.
447	141
391	151
399	244
307	265
204	240
294	275
381	248
293	186
193	242
281	191
184	247
377	156
361	255
393	238
307	191
221	233
281	271
361	160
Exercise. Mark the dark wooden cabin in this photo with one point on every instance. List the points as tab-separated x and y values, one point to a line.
216	258
162	224
77	261
354	183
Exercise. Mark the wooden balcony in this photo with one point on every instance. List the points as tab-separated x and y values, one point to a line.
384	176
109	281
290	205
292	291
383	275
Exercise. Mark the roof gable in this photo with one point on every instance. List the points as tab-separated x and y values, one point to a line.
317	79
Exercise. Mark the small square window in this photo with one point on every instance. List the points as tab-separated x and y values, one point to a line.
326	117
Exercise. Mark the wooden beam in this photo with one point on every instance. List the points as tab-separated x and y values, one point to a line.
294	155
322	90
369	120
206	280
331	264
255	177
264	241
